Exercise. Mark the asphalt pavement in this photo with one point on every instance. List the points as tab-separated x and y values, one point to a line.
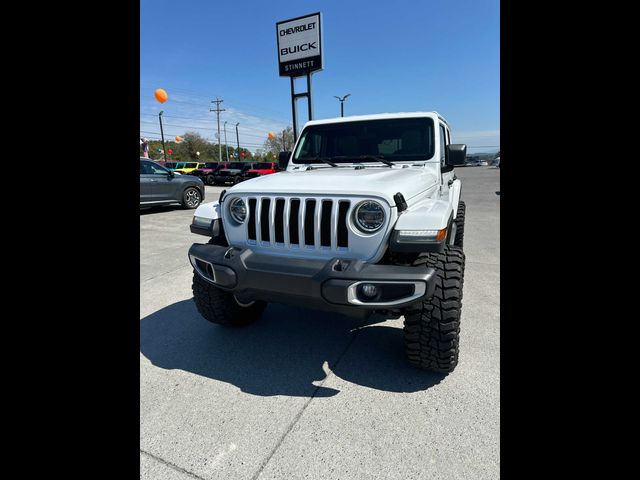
307	394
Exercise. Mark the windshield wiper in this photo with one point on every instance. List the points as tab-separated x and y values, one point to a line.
327	161
378	158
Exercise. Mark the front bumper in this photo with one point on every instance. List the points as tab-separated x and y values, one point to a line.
333	285
227	178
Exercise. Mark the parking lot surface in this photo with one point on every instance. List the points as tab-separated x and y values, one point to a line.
306	394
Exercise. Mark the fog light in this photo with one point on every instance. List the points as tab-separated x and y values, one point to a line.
369	290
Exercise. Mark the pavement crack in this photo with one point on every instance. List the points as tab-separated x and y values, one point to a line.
171	465
165	273
299	414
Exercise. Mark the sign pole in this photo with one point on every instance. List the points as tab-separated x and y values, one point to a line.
293	109
309	96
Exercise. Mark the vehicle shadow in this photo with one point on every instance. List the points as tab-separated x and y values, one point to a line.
284	352
159	209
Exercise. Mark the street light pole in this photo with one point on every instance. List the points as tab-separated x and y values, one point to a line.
342	103
225	139
238	140
164	150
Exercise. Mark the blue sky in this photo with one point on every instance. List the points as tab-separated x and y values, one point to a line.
392	56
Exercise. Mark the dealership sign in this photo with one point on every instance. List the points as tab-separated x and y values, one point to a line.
299	45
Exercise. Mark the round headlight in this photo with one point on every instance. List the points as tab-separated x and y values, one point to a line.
369	216
238	210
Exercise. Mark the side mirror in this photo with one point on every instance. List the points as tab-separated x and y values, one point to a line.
456	154
283	159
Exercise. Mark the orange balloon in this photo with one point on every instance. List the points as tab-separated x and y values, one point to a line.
161	95
271	135
178	138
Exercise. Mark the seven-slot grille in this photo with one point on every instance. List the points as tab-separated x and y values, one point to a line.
298	222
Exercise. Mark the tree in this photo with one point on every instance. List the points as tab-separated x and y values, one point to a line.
193	142
282	142
259	155
155	145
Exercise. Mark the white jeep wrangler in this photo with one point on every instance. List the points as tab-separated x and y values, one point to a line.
365	217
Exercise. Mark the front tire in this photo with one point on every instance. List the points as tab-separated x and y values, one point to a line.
432	326
462	209
191	197
222	308
210	179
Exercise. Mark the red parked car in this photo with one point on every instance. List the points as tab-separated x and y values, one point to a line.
262	168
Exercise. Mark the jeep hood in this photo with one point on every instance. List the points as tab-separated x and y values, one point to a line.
371	181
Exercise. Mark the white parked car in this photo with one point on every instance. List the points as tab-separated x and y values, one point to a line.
366	217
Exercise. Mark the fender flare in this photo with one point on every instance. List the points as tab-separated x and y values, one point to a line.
209	210
428	214
455	192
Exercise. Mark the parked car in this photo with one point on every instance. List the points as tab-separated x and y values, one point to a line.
233	173
161	186
262	168
187	167
207	171
368	218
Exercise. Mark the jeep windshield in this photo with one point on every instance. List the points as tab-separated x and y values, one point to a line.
263	166
170	165
394	139
235	166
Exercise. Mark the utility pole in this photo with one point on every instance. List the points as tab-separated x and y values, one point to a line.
217	101
284	144
164	150
238	140
225	139
342	103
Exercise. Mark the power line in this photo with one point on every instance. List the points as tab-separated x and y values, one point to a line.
206	128
201	95
200	119
249	105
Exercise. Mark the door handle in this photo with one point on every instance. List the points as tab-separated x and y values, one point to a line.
154	181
